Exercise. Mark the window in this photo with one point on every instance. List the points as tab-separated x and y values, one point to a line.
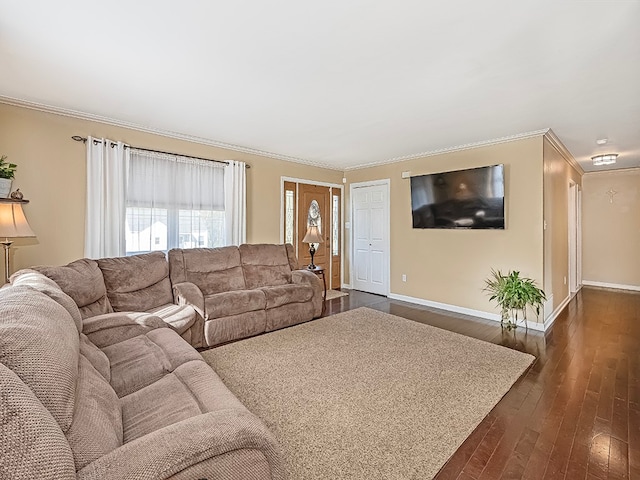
289	212
173	202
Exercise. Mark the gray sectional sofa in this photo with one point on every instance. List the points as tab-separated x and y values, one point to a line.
100	378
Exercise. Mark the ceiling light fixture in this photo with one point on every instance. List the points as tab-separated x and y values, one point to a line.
608	159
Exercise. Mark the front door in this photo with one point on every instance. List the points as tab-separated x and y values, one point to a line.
370	239
314	208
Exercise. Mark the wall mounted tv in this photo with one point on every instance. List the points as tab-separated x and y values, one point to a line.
461	199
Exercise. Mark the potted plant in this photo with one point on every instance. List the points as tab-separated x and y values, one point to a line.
7	172
514	295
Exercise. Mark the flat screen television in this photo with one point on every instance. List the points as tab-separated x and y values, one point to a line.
460	199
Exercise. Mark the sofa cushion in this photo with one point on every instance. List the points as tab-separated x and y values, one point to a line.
191	389
233	303
97	420
265	265
137	283
180	317
96	356
285	294
47	286
39	342
212	270
234	327
287	315
31	442
142	360
81	280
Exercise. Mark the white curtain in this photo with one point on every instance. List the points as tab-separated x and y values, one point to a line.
235	189
107	167
169	181
174	202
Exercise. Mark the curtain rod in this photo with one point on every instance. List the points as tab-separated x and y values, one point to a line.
78	138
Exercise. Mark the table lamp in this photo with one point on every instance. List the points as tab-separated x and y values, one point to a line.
312	236
13	224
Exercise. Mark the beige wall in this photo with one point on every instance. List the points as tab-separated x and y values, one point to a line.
611	231
449	266
558	175
51	173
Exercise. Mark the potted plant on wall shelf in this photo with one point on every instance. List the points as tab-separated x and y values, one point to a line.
514	295
7	172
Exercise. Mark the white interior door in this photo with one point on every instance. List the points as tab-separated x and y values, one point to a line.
371	238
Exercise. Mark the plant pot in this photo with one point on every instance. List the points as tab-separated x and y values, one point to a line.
5	187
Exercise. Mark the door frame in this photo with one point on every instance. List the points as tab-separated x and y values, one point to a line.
574	228
320	184
387	228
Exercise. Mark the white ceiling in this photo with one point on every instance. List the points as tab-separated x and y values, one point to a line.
337	83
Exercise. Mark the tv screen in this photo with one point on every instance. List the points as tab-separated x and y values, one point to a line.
467	199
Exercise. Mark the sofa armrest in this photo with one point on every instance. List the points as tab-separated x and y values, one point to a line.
187	293
310	278
209	438
110	328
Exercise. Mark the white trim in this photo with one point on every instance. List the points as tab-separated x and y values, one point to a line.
541	327
548	322
617	286
457	148
282	207
41	107
562	150
346	285
16	102
372	183
331	186
310	182
613	171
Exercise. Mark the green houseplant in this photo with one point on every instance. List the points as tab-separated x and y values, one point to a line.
7	172
514	295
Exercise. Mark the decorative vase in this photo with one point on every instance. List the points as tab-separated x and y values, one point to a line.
5	187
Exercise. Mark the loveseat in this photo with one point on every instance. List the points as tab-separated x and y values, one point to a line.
242	291
114	396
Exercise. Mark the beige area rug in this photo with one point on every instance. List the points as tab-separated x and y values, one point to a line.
367	395
331	294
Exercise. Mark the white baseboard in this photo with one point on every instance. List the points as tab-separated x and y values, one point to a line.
346	285
617	286
548	322
463	310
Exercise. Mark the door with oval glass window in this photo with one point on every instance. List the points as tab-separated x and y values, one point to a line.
314	209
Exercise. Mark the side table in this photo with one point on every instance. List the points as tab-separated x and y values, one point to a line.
319	271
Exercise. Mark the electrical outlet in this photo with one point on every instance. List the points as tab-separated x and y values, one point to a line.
404	277
565	280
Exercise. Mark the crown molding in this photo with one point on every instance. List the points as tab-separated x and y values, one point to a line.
562	150
457	148
41	107
613	170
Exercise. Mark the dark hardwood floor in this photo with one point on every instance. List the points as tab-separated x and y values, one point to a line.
575	414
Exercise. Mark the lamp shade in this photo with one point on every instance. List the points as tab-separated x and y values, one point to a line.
13	223
312	235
